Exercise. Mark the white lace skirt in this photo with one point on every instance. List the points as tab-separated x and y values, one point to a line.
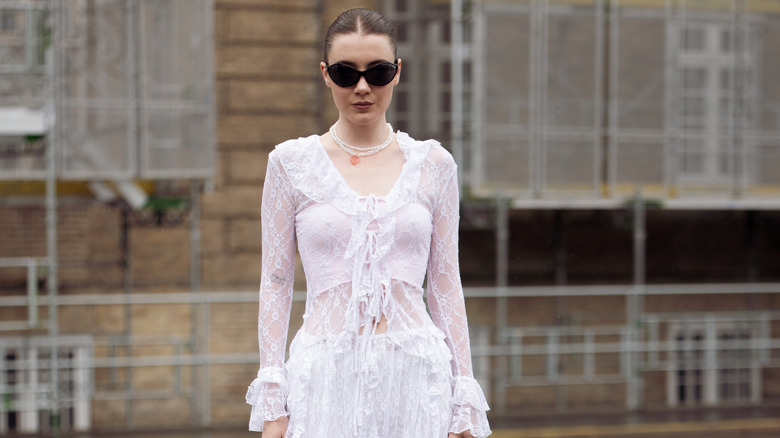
398	386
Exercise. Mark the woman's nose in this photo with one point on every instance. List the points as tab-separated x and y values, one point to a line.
362	86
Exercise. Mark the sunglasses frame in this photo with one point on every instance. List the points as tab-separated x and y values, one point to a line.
363	73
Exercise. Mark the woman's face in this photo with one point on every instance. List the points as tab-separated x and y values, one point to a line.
362	103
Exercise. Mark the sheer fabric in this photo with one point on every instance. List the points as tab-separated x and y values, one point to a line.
365	259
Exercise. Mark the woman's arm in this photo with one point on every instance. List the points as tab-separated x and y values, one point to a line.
448	310
268	392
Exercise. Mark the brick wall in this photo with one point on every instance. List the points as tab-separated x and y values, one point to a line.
269	90
88	241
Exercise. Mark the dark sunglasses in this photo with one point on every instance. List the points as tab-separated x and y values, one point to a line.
378	75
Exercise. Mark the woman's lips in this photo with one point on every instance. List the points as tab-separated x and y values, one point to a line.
362	105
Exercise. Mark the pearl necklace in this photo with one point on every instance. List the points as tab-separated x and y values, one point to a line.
356	153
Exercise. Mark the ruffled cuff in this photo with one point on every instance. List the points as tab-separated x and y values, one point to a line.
469	407
268	396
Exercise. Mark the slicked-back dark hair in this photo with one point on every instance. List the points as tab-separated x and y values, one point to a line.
362	21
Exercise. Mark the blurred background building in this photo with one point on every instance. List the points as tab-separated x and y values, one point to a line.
620	241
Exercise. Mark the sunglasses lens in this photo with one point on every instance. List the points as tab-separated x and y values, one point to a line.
381	74
378	75
342	75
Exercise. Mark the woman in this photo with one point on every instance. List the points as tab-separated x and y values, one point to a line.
371	211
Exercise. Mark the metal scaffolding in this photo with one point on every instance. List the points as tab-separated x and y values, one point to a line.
728	348
602	104
107	92
570	104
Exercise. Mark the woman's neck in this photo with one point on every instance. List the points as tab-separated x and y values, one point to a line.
362	135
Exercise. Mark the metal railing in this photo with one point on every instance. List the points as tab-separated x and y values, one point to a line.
36	268
725	349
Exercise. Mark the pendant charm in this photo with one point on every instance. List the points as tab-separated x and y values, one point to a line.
356	153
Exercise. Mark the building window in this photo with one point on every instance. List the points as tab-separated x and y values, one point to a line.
734	378
689	361
715	90
712	362
26	383
7	21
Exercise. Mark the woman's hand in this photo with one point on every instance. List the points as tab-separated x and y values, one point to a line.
276	428
464	434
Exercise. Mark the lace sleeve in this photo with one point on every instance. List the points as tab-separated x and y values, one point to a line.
268	392
448	310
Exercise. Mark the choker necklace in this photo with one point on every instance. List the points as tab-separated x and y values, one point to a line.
355	153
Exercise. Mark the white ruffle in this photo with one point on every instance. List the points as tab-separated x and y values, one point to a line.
387	392
469	408
267	395
311	171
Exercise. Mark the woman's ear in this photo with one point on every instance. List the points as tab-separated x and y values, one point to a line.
397	78
324	71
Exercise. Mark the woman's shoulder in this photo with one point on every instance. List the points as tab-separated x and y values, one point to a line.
293	148
431	149
304	167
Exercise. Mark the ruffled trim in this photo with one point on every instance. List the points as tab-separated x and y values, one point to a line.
311	171
267	395
302	161
415	153
469	408
409	341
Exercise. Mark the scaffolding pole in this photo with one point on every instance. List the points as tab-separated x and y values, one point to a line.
456	70
634	305
502	276
51	211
